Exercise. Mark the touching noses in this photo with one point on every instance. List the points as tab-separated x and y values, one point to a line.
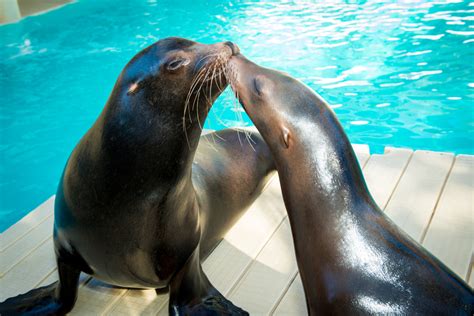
233	47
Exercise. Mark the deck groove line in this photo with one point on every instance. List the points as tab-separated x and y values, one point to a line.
164	304
47	274
449	235
297	274
398	180
469	271
446	202
425	231
247	268
365	163
26	255
81	283
45	277
13	242
112	302
30	217
278	301
363	167
109	308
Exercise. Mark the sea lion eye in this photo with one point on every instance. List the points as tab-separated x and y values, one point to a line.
177	63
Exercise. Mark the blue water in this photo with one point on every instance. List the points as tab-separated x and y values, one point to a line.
398	74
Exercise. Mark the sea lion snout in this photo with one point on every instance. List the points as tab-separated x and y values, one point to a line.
233	47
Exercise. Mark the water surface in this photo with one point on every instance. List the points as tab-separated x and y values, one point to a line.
397	74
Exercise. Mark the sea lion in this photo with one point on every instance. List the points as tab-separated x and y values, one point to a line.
352	258
141	200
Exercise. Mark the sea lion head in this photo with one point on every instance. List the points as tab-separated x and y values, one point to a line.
169	88
277	103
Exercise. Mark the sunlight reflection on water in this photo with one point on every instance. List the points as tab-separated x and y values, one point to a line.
396	73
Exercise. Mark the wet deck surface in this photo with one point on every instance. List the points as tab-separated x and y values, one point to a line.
428	194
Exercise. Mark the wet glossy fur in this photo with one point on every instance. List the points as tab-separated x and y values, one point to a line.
352	258
143	199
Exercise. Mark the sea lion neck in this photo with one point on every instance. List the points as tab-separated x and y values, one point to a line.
144	146
331	159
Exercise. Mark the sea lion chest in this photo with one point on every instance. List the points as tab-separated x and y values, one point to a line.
129	233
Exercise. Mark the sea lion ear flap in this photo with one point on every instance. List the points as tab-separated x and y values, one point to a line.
286	137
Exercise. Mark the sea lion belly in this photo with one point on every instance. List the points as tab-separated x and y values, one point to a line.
129	246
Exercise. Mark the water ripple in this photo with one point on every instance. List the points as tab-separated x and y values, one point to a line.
396	73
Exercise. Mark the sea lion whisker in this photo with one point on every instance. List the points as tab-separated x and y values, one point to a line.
241	119
222	66
196	100
238	132
247	136
230	79
220	137
194	83
207	56
221	122
238	136
216	66
198	79
214	141
186	103
197	107
252	139
202	83
208	72
213	146
238	115
223	75
211	80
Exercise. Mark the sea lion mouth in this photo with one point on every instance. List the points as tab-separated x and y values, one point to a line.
221	53
233	47
211	72
237	75
210	79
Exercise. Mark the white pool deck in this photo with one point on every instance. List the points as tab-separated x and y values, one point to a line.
428	194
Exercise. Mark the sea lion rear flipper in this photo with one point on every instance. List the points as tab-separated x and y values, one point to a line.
57	298
191	293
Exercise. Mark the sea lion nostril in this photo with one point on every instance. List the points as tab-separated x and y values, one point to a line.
235	49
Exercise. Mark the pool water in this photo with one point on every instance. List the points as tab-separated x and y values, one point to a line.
397	74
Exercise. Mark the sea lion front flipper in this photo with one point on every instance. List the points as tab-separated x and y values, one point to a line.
57	298
191	293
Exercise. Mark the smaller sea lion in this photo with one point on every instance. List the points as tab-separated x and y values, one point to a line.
352	258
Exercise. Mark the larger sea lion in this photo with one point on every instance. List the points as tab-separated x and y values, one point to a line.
352	258
134	208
